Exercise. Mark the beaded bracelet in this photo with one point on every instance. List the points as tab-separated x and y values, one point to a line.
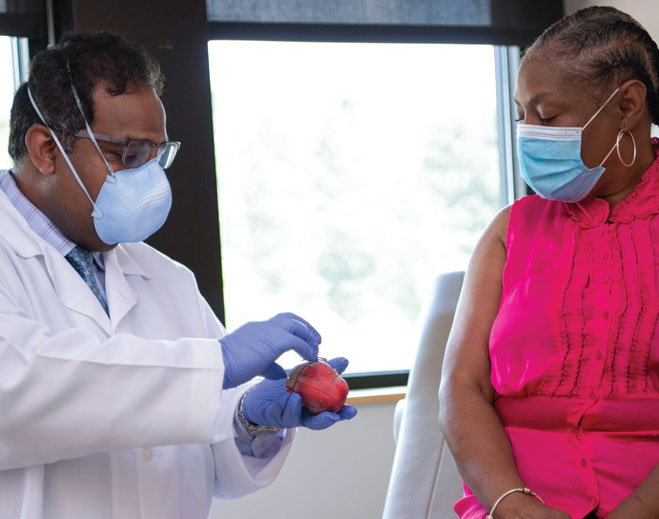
524	490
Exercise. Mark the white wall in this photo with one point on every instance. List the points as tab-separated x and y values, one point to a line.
646	12
340	473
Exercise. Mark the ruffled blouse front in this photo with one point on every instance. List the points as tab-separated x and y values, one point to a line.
575	348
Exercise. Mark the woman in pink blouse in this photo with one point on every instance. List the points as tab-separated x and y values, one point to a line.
550	388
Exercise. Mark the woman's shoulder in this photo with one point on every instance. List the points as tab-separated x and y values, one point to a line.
497	230
523	215
533	209
525	218
533	202
501	220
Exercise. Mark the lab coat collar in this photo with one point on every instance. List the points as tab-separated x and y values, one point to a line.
70	288
22	239
122	295
125	261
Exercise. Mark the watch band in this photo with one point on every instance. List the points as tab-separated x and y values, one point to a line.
252	428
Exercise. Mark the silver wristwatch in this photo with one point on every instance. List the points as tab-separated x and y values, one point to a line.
252	428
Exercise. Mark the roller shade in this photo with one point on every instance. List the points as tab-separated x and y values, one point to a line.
396	12
490	21
25	18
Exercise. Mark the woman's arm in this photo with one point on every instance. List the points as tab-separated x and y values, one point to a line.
642	503
468	420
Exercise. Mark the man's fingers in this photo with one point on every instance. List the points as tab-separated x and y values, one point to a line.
320	421
348	412
275	410
339	364
292	410
274	372
299	327
303	349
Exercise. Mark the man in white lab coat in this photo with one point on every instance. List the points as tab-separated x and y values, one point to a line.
120	393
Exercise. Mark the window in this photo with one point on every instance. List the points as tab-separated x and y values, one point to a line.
349	175
7	89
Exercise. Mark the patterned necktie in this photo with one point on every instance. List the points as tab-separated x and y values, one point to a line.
83	262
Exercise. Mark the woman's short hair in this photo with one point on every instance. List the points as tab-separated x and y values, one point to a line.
601	47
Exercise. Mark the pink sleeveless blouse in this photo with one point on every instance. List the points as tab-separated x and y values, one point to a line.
575	348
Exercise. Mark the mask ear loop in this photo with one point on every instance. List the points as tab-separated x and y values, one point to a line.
96	213
600	109
89	129
617	143
610	151
621	134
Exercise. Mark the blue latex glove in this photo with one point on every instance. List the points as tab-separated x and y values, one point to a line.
253	348
268	403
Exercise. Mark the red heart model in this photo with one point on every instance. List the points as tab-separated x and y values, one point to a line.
320	386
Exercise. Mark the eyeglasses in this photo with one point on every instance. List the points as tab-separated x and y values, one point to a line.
137	151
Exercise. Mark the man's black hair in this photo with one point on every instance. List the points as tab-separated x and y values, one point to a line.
601	47
85	60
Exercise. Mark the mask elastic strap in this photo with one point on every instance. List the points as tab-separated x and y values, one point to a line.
96	213
89	129
608	154
600	109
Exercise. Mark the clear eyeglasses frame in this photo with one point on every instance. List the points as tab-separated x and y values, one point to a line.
137	151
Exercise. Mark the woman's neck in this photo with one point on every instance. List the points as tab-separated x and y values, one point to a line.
633	175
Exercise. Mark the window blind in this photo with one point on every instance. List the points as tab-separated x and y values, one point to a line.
23	18
397	12
512	22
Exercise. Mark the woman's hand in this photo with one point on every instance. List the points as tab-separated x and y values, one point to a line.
545	512
642	503
628	509
522	506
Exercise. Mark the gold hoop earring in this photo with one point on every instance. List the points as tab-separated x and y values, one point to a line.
621	134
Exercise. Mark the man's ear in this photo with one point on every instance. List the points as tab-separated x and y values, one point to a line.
633	104
41	148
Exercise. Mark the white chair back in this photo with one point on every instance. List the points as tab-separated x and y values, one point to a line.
425	483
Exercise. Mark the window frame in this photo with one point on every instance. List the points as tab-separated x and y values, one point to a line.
506	60
47	24
21	60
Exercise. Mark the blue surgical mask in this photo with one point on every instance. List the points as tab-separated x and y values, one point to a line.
550	160
132	203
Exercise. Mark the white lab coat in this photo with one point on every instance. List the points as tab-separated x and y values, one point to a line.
112	418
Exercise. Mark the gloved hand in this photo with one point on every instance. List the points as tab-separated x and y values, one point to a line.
253	348
268	403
